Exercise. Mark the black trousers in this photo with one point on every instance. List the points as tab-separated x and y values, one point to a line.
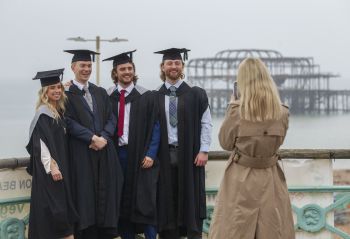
175	234
179	231
94	232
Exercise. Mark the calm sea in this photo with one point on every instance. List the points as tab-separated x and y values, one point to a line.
17	110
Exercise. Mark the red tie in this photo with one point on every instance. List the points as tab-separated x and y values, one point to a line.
121	113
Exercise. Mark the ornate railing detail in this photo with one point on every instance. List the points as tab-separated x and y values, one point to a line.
14	228
310	217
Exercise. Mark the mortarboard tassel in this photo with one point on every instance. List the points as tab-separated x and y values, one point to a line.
185	56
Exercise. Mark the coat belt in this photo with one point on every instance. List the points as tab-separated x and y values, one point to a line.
254	162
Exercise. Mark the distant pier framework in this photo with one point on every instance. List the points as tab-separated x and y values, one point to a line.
301	83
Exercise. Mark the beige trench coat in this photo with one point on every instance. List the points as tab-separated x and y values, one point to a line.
252	202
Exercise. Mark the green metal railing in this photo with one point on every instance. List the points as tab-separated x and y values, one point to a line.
13	228
310	218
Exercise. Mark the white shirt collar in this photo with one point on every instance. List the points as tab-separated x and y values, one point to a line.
127	89
80	85
177	84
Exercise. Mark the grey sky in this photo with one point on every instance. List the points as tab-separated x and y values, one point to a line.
34	32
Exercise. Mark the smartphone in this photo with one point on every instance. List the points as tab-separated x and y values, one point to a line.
235	90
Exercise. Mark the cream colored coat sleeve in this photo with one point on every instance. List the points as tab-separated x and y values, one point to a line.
229	128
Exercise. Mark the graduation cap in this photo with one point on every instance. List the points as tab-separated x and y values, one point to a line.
82	55
49	77
122	58
174	54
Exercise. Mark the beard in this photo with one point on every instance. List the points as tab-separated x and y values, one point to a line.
126	81
173	77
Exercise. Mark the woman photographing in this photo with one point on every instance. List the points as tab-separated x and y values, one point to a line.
253	200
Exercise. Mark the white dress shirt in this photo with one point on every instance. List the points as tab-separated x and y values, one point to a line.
206	123
80	85
45	156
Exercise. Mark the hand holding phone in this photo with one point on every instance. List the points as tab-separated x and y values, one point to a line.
235	91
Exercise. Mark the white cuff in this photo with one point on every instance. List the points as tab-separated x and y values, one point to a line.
204	148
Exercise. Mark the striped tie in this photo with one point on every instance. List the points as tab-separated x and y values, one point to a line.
172	106
87	97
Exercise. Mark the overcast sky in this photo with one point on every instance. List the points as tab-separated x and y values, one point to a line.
33	35
34	32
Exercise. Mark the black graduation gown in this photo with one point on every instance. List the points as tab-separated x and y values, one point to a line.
52	212
96	175
192	103
140	185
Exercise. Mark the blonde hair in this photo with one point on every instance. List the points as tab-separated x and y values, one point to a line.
44	100
259	98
